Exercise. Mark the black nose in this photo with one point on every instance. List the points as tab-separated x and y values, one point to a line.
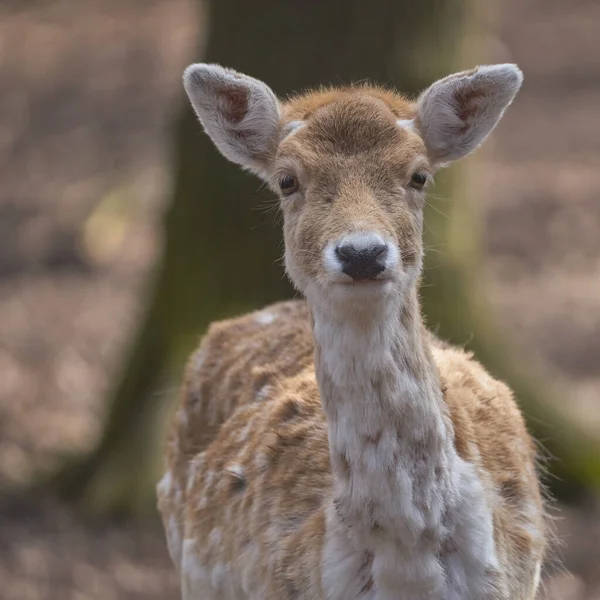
362	263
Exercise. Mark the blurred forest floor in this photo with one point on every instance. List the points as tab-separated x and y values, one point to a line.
87	92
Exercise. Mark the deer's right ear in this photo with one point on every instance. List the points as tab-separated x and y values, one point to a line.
239	113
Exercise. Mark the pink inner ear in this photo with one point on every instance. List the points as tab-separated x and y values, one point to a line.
467	102
233	103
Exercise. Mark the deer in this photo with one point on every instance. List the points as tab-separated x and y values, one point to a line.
333	447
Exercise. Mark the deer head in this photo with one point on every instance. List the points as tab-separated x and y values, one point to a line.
351	167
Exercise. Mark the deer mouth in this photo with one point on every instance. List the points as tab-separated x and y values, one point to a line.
365	282
373	288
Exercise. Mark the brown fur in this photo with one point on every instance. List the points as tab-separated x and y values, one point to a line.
284	454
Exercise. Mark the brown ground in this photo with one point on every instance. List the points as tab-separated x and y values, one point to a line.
86	94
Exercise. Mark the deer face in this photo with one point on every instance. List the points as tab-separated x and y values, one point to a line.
351	181
350	166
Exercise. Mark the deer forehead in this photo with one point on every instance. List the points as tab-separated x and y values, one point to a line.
329	132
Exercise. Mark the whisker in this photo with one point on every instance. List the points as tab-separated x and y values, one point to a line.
437	210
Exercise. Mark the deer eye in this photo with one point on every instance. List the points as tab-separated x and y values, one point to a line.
288	185
418	180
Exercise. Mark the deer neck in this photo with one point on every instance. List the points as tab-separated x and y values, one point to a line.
390	437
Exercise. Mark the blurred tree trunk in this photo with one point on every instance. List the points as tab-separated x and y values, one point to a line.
221	249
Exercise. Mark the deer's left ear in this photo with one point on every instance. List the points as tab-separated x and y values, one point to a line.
457	113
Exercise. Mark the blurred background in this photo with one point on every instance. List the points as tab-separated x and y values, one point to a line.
121	227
